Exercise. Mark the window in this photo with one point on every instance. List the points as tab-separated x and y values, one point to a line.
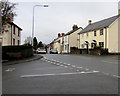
65	47
101	32
82	45
13	41
82	35
18	42
95	33
87	34
14	30
18	32
101	44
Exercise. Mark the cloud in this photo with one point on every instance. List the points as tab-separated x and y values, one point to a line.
59	17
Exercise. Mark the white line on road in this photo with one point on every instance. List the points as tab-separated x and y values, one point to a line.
110	62
79	67
73	65
41	75
66	66
10	69
116	76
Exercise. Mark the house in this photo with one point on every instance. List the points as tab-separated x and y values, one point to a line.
71	39
11	35
103	33
58	43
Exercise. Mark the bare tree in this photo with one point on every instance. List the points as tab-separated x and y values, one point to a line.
7	11
28	40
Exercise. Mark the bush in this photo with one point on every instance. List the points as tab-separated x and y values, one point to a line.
97	47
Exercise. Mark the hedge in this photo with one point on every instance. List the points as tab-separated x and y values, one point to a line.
16	52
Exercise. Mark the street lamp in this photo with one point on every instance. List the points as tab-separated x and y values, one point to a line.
33	19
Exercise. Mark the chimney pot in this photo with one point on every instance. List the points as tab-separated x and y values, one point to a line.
90	22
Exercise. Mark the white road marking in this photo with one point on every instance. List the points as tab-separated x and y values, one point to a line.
41	75
66	66
110	62
10	69
58	64
54	63
73	65
116	76
65	63
79	67
86	69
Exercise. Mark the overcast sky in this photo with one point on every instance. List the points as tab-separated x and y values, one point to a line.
59	17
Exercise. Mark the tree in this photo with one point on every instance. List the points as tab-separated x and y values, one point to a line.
7	12
28	40
35	43
75	27
40	44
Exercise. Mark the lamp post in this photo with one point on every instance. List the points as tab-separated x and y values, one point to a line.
33	19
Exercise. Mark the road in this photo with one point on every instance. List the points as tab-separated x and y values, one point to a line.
63	74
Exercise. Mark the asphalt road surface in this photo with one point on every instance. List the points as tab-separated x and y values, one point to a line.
63	74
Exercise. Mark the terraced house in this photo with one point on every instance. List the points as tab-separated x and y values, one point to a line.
71	39
103	33
11	35
58	43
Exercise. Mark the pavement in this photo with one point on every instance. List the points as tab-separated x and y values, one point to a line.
32	58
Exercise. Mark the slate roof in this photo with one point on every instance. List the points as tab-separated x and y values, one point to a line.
15	25
100	24
70	32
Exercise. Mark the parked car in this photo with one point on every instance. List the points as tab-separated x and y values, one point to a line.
41	50
52	51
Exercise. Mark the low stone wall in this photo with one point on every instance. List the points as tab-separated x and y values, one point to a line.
74	50
96	51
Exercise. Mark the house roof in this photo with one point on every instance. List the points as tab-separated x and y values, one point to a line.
15	25
70	32
100	24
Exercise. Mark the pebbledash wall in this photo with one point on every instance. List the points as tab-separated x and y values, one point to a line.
113	37
11	35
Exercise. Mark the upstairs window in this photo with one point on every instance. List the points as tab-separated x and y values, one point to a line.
14	30
18	32
101	32
95	33
82	35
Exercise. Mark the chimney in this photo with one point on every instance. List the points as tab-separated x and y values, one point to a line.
59	34
63	34
90	22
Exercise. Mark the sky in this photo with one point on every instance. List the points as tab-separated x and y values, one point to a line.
59	17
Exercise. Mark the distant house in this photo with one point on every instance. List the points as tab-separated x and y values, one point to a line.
58	43
103	33
71	40
11	35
